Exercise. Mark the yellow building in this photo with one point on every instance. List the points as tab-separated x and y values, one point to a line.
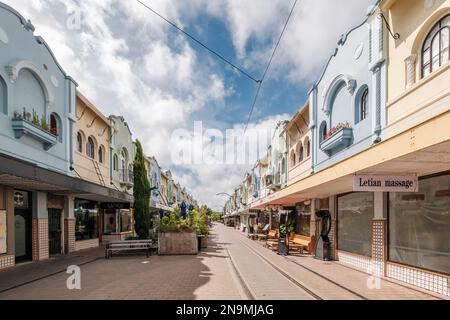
92	142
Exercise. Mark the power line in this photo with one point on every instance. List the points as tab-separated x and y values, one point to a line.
200	43
268	66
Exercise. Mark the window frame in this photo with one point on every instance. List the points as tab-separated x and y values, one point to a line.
90	148
431	35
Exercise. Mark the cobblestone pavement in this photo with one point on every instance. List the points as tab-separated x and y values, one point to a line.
233	267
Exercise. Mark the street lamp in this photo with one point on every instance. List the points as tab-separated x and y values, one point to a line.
224	194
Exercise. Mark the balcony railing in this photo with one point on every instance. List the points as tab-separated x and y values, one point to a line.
338	140
126	177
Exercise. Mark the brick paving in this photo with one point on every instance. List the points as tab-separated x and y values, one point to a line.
261	274
205	276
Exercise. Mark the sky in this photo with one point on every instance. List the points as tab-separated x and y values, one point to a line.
129	62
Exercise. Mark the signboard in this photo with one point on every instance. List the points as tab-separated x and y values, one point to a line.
2	231
374	183
114	206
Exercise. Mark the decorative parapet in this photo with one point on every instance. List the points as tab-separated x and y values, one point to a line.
23	127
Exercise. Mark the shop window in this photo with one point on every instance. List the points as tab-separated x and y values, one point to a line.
419	225
86	218
90	147
355	216
435	50
303	226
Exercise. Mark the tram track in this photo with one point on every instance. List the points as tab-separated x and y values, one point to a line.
300	285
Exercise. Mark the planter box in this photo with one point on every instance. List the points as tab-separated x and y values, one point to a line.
177	243
22	127
340	139
204	241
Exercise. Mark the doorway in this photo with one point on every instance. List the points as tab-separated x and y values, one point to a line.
54	231
22	226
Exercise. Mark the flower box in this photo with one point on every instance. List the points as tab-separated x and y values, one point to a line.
23	127
177	243
342	138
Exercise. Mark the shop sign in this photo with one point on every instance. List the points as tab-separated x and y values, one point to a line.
374	183
2	231
115	206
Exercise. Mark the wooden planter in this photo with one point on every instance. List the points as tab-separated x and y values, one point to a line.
177	243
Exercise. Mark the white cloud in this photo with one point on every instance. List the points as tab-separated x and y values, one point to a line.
129	62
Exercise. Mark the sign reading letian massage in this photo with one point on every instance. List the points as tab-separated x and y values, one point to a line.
374	183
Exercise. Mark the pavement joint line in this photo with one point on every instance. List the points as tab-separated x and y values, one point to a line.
304	287
328	279
246	288
393	281
46	276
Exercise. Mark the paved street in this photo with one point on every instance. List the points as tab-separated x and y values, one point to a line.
233	267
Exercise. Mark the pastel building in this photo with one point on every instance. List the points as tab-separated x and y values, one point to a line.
37	115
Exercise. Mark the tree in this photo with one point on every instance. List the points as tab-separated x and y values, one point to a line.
141	193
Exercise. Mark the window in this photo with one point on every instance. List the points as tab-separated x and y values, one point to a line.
86	218
101	154
364	105
308	147
79	142
355	215
292	158
419	225
435	50
301	154
323	131
3	100
90	148
116	163
55	126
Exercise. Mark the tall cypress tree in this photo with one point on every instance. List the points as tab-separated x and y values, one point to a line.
141	193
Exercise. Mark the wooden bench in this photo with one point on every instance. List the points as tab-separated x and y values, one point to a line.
273	243
303	242
129	245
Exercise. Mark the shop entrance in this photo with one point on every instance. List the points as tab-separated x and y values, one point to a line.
22	226
54	231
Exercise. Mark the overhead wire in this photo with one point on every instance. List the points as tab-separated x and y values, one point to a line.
212	51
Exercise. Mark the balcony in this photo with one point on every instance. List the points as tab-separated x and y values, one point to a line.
273	182
340	139
126	178
24	127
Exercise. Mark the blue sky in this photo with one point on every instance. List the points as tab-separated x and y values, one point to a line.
130	62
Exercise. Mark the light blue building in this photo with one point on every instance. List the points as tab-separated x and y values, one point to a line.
347	102
154	176
37	97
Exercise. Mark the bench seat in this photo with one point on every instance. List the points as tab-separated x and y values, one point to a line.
129	245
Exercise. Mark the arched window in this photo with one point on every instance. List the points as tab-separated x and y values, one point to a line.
116	163
55	126
363	106
435	50
308	148
323	131
101	154
293	159
90	148
79	142
301	154
3	95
